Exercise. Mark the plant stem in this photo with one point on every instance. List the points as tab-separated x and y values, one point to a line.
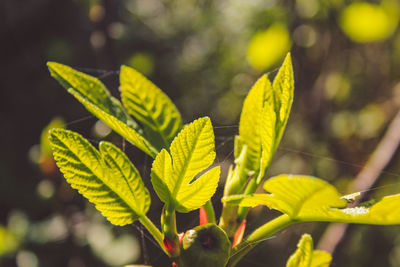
234	184
250	189
257	236
153	230
208	207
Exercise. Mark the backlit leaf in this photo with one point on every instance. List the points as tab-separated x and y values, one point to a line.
173	175
283	87
251	121
264	116
149	105
321	259
90	88
306	256
92	93
107	179
268	139
302	257
307	198
117	125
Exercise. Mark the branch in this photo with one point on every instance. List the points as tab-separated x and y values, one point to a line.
365	179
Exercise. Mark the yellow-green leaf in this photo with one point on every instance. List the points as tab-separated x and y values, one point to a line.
384	211
149	105
321	259
302	257
251	120
306	256
173	175
117	125
283	87
107	179
92	93
264	116
90	88
126	175
268	139
307	198
293	195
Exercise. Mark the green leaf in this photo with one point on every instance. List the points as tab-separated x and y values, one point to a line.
90	88
126	175
107	179
306	256
117	125
92	93
264	116
251	121
306	198
293	194
283	87
268	139
384	211
173	179
149	105
321	259
302	257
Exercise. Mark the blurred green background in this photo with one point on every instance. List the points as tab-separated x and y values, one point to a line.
205	55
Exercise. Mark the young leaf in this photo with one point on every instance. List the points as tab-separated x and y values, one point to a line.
321	259
192	151
251	121
107	179
268	139
306	198
149	105
264	116
302	257
92	93
306	256
283	87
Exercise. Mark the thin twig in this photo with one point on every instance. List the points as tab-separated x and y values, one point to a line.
365	179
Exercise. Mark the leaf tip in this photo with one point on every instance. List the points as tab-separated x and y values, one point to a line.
53	66
288	57
50	64
55	131
103	145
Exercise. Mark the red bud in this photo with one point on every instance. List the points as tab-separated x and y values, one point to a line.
203	216
181	235
239	234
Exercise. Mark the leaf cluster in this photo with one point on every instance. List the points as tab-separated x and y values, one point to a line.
182	174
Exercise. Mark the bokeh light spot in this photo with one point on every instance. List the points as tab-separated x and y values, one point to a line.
269	46
365	22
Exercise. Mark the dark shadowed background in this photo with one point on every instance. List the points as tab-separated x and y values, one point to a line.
205	55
